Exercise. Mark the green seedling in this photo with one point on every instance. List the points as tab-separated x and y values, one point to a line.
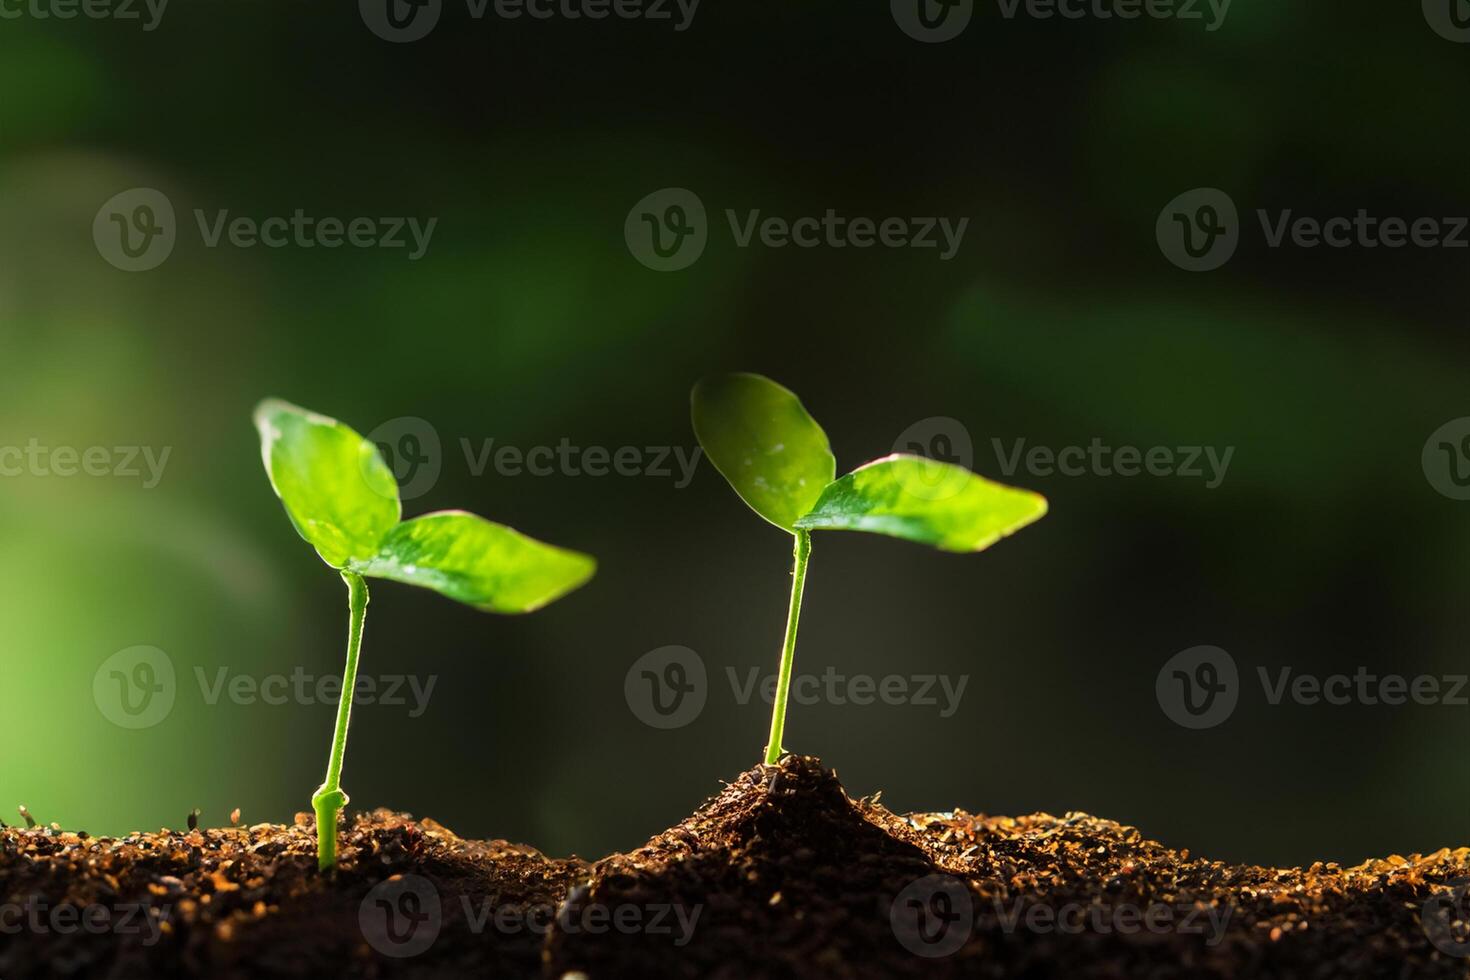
776	457
342	498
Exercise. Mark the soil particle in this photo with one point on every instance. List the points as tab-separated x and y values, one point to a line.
787	875
781	874
797	879
245	903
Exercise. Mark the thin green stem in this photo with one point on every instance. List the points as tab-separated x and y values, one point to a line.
329	799
803	551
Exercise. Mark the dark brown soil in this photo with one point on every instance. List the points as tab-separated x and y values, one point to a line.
779	875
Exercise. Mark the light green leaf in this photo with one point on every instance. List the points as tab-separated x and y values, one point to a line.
764	443
335	486
486	565
926	501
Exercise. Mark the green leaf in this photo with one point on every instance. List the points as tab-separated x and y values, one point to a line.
486	565
764	443
926	501
335	486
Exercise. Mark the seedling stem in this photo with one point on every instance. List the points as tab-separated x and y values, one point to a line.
803	551
329	799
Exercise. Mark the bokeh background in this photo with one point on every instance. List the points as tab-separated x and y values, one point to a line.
528	321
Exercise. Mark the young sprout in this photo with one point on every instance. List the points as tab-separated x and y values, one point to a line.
342	498
777	459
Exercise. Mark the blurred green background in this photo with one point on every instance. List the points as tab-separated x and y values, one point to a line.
528	321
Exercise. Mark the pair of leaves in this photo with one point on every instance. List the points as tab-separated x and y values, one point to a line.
342	498
778	460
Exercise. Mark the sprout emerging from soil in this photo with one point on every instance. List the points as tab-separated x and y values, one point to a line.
776	457
343	499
